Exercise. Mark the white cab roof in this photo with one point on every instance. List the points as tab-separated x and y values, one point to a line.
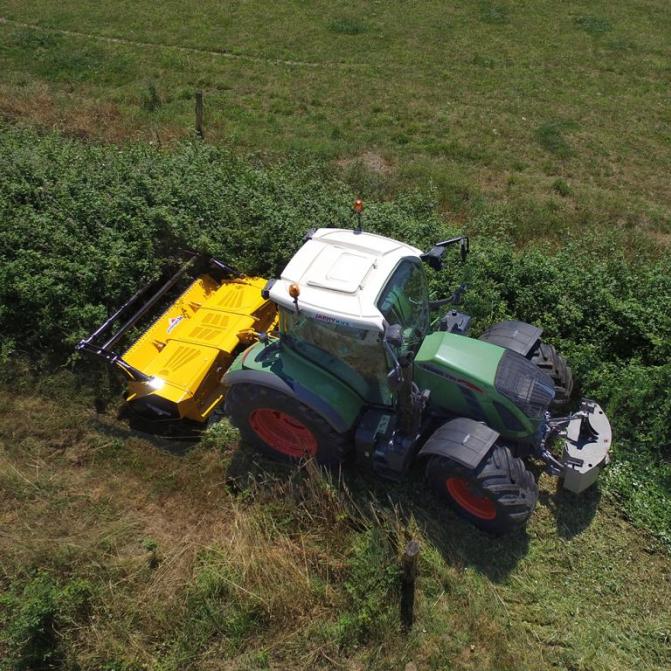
340	274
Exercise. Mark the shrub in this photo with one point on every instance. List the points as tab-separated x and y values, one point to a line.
34	618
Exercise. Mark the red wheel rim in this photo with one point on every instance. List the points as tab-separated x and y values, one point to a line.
479	506
283	433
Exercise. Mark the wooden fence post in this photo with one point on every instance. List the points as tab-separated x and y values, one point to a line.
199	115
408	583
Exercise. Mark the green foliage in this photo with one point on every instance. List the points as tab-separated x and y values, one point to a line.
372	586
82	225
221	434
640	410
33	619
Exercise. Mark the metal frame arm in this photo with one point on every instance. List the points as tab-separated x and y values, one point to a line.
434	256
104	351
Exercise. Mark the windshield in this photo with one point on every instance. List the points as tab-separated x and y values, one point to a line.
404	301
354	355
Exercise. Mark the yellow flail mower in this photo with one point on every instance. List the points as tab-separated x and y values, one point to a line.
174	368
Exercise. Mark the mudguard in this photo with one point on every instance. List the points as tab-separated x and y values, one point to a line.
513	335
326	395
462	440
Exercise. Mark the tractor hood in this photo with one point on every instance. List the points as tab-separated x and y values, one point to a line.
485	382
461	360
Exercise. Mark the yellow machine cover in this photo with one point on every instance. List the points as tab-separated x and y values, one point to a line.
188	348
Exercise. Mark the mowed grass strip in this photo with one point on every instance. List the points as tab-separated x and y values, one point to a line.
120	552
485	100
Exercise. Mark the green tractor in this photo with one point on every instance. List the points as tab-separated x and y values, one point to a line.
359	368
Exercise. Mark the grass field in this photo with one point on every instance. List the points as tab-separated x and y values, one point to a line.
531	121
559	110
170	558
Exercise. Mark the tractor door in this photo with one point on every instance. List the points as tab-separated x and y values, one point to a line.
404	300
354	355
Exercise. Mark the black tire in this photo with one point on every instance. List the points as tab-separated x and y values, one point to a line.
282	427
503	491
554	365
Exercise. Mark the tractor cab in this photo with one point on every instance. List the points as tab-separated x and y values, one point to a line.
339	295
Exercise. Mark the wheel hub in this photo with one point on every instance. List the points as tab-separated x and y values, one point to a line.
477	505
283	433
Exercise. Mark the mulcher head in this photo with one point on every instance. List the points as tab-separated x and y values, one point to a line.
174	368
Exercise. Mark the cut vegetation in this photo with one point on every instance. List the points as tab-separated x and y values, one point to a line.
121	553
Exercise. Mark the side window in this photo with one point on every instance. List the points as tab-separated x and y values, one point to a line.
354	355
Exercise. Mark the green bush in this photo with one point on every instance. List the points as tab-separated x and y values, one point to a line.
33	620
83	224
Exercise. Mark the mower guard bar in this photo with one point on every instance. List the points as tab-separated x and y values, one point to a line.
105	351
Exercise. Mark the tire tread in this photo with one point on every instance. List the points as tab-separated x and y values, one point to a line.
502	477
553	364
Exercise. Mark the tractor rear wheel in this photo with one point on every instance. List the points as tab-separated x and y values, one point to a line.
282	427
554	365
497	496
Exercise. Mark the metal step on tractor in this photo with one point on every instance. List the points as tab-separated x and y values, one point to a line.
339	358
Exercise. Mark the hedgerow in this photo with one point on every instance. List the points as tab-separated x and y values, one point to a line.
82	225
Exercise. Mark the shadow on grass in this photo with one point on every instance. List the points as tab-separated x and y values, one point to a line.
573	512
459	542
176	445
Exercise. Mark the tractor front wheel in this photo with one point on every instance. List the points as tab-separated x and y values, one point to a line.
282	427
498	496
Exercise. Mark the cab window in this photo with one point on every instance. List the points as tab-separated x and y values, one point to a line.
354	355
404	301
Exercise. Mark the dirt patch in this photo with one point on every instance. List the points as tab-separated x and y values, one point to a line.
370	160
